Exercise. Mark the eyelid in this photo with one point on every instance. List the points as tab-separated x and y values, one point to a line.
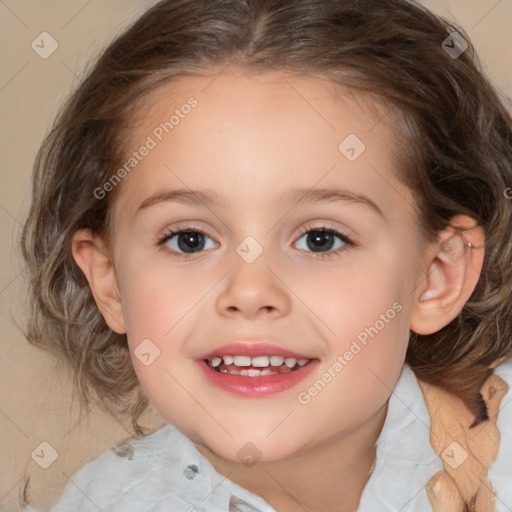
184	226
324	225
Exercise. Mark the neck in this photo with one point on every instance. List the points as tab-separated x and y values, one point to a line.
330	476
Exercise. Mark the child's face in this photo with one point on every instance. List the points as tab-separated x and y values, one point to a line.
251	141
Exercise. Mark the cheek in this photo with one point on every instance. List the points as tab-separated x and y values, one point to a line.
162	306
362	367
157	297
159	310
357	295
365	319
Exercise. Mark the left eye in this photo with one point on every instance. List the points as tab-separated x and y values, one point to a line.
323	240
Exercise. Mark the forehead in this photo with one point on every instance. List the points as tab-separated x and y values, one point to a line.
277	95
237	133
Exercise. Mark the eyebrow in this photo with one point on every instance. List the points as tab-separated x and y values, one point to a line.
305	195
184	196
297	196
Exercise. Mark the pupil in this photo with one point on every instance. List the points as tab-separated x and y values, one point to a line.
191	239
319	238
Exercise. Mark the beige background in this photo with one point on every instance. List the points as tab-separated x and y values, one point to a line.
36	397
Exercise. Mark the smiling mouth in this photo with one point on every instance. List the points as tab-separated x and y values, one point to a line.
255	366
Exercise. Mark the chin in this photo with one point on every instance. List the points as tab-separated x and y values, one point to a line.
250	452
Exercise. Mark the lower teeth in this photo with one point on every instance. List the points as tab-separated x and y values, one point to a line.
252	372
248	372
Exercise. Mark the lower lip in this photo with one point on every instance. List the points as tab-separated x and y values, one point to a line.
262	385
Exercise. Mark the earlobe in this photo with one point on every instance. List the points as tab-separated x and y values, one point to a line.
452	272
91	255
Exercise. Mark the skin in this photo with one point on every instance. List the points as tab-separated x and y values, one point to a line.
251	139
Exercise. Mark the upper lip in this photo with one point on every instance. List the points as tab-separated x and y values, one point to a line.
252	349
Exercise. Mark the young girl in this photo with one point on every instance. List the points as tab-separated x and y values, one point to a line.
287	225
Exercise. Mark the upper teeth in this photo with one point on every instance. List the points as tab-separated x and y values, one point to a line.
216	361
258	361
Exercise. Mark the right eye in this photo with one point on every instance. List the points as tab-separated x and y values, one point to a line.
186	241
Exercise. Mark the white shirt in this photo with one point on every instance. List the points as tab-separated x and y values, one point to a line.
164	472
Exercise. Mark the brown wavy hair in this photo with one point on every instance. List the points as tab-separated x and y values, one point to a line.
456	139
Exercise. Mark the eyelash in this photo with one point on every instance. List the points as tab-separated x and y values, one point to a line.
348	242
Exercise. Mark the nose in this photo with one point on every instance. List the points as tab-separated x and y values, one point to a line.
253	290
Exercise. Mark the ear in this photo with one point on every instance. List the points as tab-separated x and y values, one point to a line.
93	257
452	269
